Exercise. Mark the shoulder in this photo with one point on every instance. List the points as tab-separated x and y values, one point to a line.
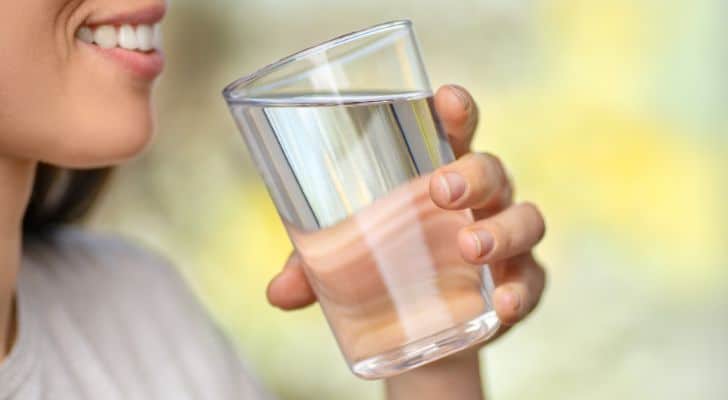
95	276
99	255
109	271
105	272
102	284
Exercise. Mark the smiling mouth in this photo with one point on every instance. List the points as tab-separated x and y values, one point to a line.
142	38
133	40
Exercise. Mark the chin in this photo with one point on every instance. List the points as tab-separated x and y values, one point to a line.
123	135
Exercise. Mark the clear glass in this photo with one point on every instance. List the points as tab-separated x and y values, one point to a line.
345	137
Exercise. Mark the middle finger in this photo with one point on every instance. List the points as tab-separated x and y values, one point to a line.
509	233
476	180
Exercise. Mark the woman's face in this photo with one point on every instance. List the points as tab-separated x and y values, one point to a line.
76	79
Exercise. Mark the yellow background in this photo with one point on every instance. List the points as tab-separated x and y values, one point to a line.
611	115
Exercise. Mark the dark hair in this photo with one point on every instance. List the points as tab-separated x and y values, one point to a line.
62	196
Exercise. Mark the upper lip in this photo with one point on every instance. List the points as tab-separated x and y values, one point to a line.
145	16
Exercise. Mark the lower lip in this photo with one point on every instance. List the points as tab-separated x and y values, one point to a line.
146	66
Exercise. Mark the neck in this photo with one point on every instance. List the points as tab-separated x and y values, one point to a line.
16	182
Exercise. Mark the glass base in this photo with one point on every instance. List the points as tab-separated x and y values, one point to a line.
428	349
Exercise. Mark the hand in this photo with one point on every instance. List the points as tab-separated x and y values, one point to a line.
502	235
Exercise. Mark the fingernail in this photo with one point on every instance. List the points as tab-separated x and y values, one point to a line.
484	242
461	94
453	185
511	300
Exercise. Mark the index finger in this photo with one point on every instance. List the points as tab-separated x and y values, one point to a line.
458	115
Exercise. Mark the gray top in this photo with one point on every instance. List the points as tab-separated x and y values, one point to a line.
101	319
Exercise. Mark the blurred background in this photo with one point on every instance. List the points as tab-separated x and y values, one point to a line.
611	115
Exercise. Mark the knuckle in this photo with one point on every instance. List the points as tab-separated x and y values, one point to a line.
533	276
486	168
537	296
506	195
496	164
495	169
535	217
538	280
485	160
544	279
541	274
494	160
530	207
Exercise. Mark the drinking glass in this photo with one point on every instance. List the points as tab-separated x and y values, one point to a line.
345	137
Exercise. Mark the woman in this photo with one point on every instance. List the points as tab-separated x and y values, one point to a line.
84	316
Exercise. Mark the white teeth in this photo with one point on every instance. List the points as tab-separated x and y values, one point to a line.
157	40
105	36
145	36
128	38
85	34
141	37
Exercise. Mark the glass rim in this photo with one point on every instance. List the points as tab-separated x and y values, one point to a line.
245	81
